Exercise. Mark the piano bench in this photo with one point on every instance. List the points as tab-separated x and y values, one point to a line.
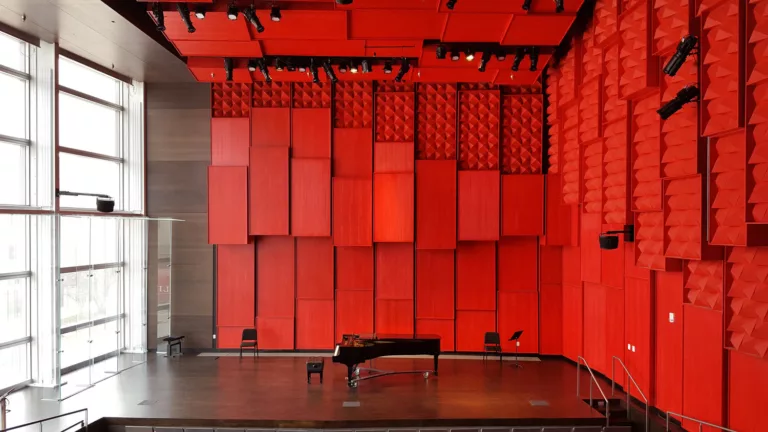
315	366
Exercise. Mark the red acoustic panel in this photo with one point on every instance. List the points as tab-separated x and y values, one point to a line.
616	173
227	205
682	218
747	382
704	284
590	109
479	130
436	125
523	31
275	333
230	100
352	153
553	152
441	327
210	70
649	241
757	120
394	116
590	248
573	321
570	75
551	321
595	327
271	127
435	204
681	154
394	271
354	268
406	24
235	285
471	327
311	133
275	260
229	337
593	169
435	284
314	269
519	311
638	297
570	163
269	191
476	276
606	22
230	139
669	340
354	104
522	134
354	312
311	197
394	317
560	226
271	95
646	156
550	265
393	207
615	318
747	301
591	61
671	18
478	205
352	212
522	205
314	324
615	107
612	265
518	264
571	263
311	95
393	157
639	69
727	190
475	27
702	365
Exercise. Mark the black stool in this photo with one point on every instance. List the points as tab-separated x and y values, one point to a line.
173	341
315	366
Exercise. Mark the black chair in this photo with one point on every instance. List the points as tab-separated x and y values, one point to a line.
491	344
249	340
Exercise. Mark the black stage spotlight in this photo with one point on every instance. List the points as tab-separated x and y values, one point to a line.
329	71
264	70
228	68
275	14
519	56
232	12
366	66
501	55
455	55
353	67
344	2
279	64
526	4
200	13
388	67
313	71
484	61
440	52
157	11
302	69
290	66
609	240
343	67
252	65
404	68
559	7
451	4
469	54
684	49
685	95
533	54
184	12
250	15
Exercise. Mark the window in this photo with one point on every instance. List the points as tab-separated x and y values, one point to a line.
14	127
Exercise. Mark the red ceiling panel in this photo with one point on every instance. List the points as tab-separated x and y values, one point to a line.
313	47
211	69
548	6
476	27
393	48
367	24
484	6
215	27
527	29
218	48
302	25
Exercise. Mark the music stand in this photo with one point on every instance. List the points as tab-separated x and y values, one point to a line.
515	338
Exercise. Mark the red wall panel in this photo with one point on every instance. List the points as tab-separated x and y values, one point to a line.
435	285
230	141
229	337
476	276
518	264
669	340
519	311
478	205
235	285
311	197
271	127
393	157
352	153
314	324
352	212
558	224
551	321
275	277
435	204
612	264
572	321
571	266
275	333
354	313
269	191
394	271
615	344
639	308
445	328
522	205
314	269
354	268
702	365
595	327
471	327
227	205
311	132
551	264
590	248
747	392
393	207
394	317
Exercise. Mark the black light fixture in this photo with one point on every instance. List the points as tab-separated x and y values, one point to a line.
366	66
387	67
313	71
275	14
559	7
329	71
290	66
252	66
484	61
533	54
104	203
200	13
404	68
440	52
279	65
353	68
232	12
228	68
185	16
157	11
501	55
343	67
264	70
609	240
451	4
302	69
526	5
344	2
519	56
685	95
684	49
250	15
469	54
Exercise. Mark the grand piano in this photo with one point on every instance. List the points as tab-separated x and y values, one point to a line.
356	349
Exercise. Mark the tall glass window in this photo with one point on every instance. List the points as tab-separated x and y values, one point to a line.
14	127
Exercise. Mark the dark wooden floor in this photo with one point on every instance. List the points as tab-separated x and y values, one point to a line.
272	391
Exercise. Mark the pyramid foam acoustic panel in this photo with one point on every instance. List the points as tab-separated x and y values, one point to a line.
271	95
436	134
746	323
311	95
353	104
230	99
522	134
479	129
646	160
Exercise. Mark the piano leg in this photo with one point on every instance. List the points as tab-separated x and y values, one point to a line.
436	363
350	374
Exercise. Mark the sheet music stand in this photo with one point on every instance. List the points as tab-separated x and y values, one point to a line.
516	338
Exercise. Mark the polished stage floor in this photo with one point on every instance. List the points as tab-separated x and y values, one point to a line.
273	391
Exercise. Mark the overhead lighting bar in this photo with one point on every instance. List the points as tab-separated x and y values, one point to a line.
684	49
250	15
344	2
353	68
279	65
185	16
157	11
275	14
343	67
404	68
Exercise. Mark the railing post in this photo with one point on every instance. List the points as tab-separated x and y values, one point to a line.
613	376
3	405
590	394
578	374
701	427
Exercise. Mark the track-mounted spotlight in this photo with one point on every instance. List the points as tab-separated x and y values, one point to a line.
559	7
279	64
501	55
313	71
200	13
250	15
329	71
685	95
404	68
451	4
344	2
353	68
302	69
290	66
440	52
157	11
455	55
275	14
533	54
519	56
484	61
526	5
252	66
343	68
469	54
184	12
388	67
684	49
232	12
264	70
228	68
366	66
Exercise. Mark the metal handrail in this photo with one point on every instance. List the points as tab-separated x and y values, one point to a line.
579	360
700	422
629	375
40	422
